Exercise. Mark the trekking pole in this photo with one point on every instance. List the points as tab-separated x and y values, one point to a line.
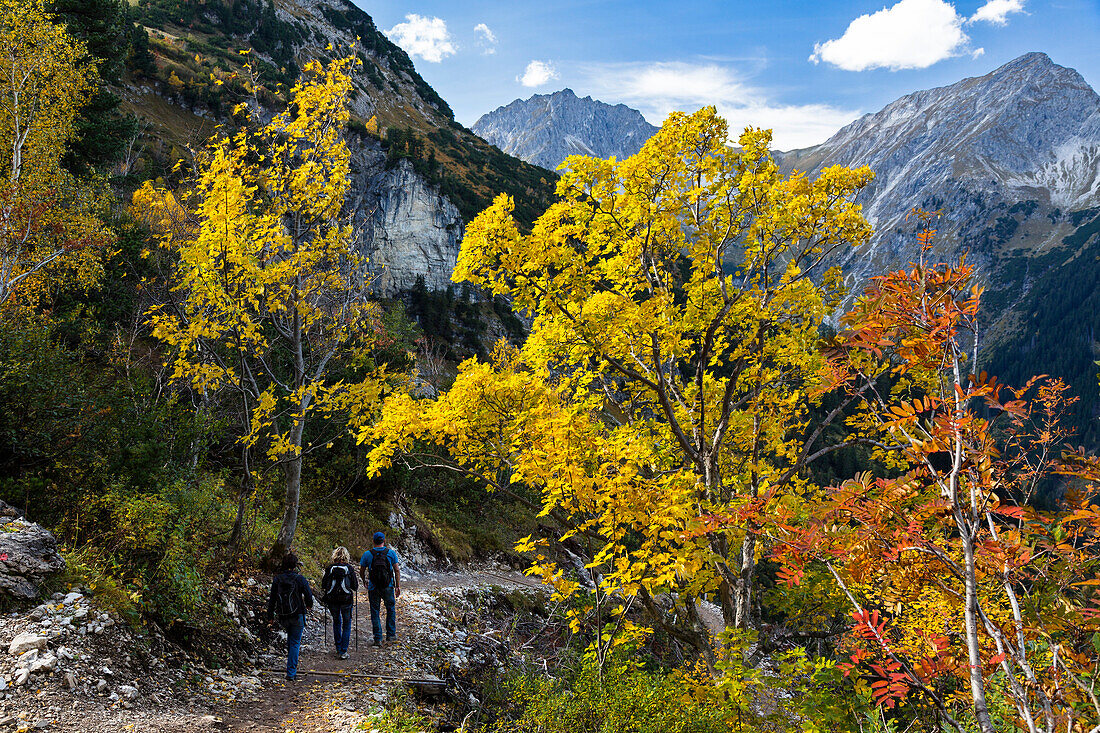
324	616
357	619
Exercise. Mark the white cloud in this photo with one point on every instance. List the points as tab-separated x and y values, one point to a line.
487	40
913	34
537	73
427	38
656	89
485	32
997	11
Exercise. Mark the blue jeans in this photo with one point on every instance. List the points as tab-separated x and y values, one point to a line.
341	628
376	598
294	626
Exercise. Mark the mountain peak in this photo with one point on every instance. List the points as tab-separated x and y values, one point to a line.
1031	58
1009	118
1037	67
1025	134
545	129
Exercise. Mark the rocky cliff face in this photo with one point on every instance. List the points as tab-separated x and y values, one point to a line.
1006	157
548	128
405	226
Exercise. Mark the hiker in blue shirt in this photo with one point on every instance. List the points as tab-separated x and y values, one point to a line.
379	568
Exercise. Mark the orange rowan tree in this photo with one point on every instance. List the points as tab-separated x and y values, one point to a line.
955	582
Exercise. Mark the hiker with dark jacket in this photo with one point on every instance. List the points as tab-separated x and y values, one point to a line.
288	602
339	585
379	567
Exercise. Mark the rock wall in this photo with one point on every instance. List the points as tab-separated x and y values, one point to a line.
405	226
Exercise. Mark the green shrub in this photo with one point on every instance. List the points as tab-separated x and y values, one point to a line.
621	700
631	695
82	570
159	544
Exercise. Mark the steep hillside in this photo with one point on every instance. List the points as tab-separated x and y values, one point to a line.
1053	325
1006	157
419	175
548	128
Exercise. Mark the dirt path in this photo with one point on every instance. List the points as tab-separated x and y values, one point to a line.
330	704
439	626
447	623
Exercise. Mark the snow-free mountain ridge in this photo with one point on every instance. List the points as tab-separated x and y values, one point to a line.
548	128
1006	157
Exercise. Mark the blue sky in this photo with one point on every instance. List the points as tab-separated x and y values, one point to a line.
801	68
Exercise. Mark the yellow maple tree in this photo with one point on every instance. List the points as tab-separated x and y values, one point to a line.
50	231
270	292
677	297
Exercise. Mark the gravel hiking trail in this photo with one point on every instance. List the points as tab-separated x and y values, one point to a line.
440	626
427	636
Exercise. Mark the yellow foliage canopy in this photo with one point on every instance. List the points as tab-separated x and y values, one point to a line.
663	388
50	233
270	292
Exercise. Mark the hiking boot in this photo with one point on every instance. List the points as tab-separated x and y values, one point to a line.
377	642
342	655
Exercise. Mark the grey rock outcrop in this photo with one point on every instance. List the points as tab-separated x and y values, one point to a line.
28	555
405	226
1005	157
548	128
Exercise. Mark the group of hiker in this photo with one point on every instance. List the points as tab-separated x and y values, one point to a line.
291	597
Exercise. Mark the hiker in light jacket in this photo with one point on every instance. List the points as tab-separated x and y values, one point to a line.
339	585
379	567
288	602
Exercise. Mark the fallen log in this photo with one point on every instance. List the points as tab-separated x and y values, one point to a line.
431	685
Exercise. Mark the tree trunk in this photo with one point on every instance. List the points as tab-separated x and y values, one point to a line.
743	599
285	540
236	537
977	682
293	468
727	602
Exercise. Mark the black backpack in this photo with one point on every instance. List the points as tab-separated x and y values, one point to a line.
288	601
381	572
337	590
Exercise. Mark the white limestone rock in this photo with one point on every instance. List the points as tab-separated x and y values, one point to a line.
409	229
45	663
25	642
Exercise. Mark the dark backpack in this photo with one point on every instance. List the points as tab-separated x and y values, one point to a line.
381	572
288	601
337	590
